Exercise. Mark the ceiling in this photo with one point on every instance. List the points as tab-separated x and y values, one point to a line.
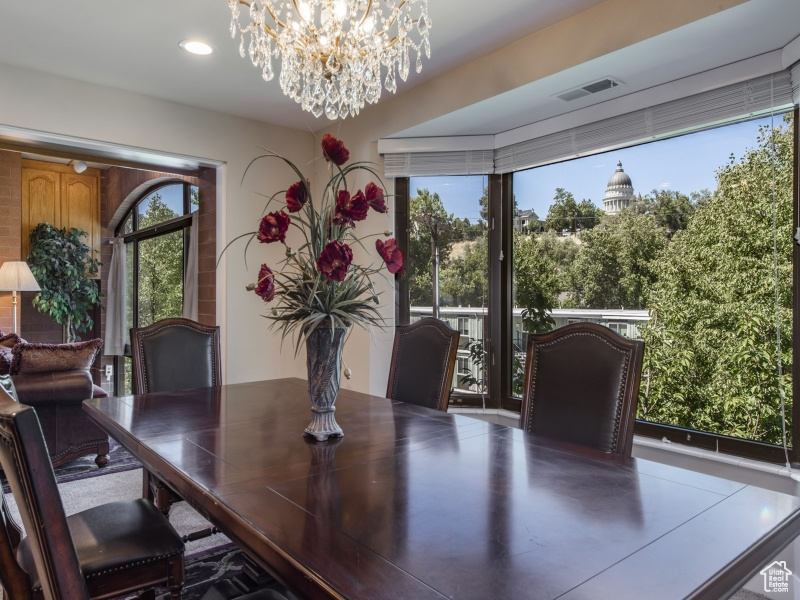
133	45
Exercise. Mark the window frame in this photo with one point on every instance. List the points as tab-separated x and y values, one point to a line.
498	321
182	223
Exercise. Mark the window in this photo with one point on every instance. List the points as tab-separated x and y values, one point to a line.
447	265
670	242
156	231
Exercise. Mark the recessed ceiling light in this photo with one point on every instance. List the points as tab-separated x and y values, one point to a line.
196	47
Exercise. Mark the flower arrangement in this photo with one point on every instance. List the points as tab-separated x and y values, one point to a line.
318	284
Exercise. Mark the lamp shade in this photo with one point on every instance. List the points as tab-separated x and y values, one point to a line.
16	276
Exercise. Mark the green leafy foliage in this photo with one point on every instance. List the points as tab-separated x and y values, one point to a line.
160	267
62	265
567	214
711	355
536	283
615	265
431	225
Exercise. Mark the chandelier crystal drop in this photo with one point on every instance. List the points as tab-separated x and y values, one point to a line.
331	51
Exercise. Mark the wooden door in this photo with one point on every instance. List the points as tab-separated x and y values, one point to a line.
80	207
54	193
41	202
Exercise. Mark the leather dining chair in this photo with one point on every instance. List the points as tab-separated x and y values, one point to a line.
582	386
101	552
423	359
172	355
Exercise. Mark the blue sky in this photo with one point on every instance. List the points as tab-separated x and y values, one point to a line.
685	164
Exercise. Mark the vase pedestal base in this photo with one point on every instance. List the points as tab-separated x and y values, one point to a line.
323	424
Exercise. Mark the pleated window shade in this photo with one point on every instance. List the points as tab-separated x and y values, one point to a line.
410	164
736	102
739	101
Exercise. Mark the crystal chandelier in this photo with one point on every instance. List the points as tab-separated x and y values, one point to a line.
331	51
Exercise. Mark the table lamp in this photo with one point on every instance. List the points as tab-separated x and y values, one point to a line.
16	276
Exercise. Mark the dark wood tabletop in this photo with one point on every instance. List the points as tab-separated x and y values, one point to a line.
414	503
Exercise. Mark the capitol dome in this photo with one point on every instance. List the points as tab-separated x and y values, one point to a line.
619	192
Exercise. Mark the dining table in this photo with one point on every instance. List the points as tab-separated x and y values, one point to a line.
420	504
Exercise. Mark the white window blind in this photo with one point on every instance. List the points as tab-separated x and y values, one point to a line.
727	104
469	162
739	101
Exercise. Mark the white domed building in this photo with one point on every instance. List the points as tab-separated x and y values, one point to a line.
619	192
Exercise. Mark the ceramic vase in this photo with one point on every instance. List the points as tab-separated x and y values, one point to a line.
324	363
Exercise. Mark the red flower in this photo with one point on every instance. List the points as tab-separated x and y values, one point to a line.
334	261
296	196
266	283
350	208
273	227
392	255
333	150
375	197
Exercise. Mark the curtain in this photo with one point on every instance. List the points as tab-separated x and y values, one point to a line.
116	334
190	276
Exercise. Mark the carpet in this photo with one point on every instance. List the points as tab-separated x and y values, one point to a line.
205	569
119	460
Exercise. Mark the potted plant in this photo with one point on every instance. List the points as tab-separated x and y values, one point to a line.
63	266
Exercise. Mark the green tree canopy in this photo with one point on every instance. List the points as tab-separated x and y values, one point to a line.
567	214
535	282
160	267
614	267
429	223
464	280
670	208
711	359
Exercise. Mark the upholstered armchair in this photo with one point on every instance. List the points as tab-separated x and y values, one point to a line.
55	380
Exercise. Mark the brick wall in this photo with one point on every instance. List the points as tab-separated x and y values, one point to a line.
10	224
207	248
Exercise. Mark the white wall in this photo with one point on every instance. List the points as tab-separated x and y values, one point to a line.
64	107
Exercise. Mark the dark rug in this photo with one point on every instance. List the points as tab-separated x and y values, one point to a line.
206	568
84	467
119	460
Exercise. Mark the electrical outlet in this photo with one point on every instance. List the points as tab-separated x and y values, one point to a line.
109	372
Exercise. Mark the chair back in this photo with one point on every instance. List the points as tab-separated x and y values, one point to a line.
175	354
423	360
27	467
582	387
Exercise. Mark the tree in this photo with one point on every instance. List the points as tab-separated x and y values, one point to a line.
711	359
464	279
615	266
536	283
430	223
671	209
561	252
160	267
62	265
567	214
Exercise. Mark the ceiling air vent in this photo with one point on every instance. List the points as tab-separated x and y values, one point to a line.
589	88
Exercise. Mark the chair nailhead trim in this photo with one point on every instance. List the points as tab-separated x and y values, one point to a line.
620	396
135	564
443	382
159	329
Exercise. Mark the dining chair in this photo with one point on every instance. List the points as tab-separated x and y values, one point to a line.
423	359
102	552
172	355
582	386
